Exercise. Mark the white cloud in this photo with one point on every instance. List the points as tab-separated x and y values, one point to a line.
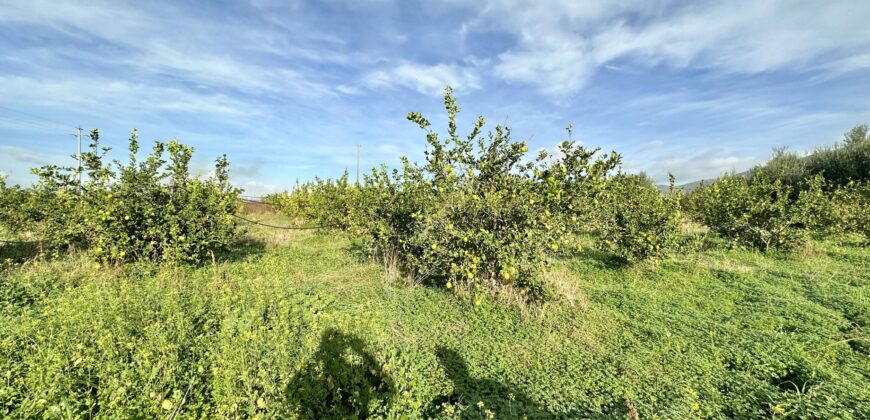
260	189
689	167
390	149
651	145
741	105
429	80
17	161
556	71
144	41
561	44
103	94
24	156
843	66
274	80
348	89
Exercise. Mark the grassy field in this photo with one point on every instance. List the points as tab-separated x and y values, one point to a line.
298	324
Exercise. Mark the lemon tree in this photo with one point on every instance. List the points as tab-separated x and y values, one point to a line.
149	210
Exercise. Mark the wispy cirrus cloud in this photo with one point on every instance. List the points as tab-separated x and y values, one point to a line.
288	89
561	45
426	79
689	166
162	41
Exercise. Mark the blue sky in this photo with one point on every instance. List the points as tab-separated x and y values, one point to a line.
287	89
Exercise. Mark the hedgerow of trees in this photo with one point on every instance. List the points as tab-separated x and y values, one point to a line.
792	196
481	214
844	162
151	210
758	213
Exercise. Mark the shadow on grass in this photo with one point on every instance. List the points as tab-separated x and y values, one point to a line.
359	252
245	249
502	400
597	258
343	380
394	266
18	251
852	255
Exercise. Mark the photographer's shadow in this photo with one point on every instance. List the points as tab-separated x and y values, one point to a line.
504	401
343	380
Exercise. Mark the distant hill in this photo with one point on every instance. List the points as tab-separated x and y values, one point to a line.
691	186
847	160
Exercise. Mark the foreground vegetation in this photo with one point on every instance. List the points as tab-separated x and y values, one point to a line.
482	216
297	324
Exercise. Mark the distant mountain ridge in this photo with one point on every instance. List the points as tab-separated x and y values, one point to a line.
691	186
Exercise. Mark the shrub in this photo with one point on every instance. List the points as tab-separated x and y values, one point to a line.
788	167
852	206
14	207
472	215
393	207
329	202
145	211
758	213
572	181
831	209
849	160
636	220
817	209
294	203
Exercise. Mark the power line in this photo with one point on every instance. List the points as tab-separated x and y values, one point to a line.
19	242
79	154
53	125
280	227
64	125
29	124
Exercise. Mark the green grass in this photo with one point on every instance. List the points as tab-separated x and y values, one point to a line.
296	324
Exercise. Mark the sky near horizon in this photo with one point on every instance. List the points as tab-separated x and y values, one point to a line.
287	89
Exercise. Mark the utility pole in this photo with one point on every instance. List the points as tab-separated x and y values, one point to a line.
357	164
79	154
